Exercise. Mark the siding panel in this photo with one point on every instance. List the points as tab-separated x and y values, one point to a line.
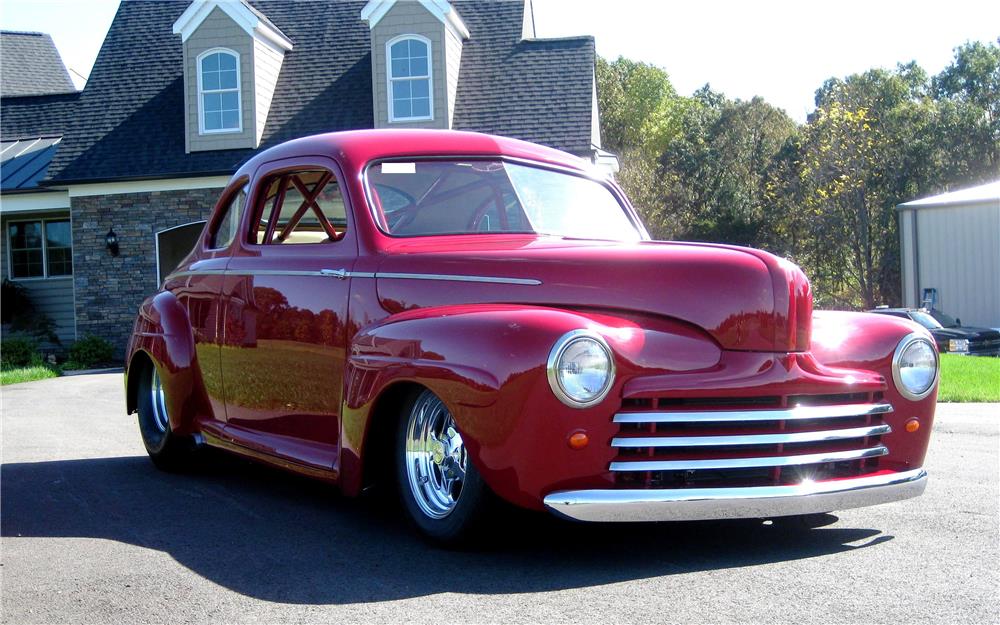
267	66
959	255
453	61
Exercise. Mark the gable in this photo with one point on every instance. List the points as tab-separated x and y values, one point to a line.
441	10
249	19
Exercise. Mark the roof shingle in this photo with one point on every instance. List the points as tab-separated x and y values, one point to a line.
130	119
31	65
36	116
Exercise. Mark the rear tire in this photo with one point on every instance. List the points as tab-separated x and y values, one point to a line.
440	488
167	450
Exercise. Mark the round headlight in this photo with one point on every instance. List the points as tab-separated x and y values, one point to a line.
581	368
915	366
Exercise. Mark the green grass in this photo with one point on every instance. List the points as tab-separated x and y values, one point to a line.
969	378
15	375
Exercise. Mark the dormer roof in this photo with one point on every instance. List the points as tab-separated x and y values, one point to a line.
255	23
375	10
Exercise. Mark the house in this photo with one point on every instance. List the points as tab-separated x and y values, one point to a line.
182	93
950	253
37	98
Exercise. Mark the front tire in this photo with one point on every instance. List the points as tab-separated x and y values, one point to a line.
440	488
168	450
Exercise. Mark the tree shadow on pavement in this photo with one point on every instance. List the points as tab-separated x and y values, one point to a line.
277	537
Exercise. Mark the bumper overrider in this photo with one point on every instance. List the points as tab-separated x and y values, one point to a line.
694	504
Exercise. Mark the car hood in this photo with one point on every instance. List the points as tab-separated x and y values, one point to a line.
745	299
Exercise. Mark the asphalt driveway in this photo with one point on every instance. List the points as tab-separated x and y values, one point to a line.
91	532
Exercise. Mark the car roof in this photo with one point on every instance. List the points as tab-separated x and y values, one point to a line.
355	148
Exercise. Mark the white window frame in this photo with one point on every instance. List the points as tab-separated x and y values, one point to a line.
389	78
202	92
45	249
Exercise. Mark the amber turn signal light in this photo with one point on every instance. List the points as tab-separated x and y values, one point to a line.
912	425
578	440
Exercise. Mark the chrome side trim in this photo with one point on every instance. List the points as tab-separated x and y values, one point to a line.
245	272
749	463
276	272
458	278
696	504
339	274
788	414
749	439
200	272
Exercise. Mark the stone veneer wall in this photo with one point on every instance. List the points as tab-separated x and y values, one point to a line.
110	289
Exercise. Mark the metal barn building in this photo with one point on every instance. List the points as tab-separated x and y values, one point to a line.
950	251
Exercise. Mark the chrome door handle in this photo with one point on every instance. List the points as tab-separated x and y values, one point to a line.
339	274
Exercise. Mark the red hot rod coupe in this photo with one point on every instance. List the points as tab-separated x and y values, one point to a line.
472	317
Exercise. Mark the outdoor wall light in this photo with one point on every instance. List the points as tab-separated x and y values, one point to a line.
112	240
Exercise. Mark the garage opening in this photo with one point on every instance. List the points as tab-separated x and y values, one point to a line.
173	244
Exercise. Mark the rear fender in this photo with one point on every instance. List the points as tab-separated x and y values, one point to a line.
162	337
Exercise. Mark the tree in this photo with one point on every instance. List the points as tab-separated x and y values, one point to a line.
719	168
639	115
849	223
969	92
639	107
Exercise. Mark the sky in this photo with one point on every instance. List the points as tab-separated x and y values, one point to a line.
781	50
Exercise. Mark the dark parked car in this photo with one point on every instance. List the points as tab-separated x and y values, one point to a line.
949	333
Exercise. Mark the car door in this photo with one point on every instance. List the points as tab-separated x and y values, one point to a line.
197	283
285	299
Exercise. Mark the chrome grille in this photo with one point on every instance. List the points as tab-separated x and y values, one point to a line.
753	445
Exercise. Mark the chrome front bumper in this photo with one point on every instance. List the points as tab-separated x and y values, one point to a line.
694	504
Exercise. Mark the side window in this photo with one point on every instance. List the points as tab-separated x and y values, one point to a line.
225	232
301	207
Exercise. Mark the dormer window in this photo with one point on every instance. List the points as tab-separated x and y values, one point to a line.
408	60
219	91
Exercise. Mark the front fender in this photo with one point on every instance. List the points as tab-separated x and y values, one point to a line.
868	341
487	363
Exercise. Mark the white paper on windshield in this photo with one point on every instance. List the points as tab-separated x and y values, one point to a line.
399	168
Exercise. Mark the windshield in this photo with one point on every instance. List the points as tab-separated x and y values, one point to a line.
925	320
945	320
422	198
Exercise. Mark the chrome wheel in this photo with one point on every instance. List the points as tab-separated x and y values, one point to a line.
436	459
158	401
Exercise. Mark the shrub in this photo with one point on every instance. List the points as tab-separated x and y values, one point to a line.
19	351
89	351
20	313
15	301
